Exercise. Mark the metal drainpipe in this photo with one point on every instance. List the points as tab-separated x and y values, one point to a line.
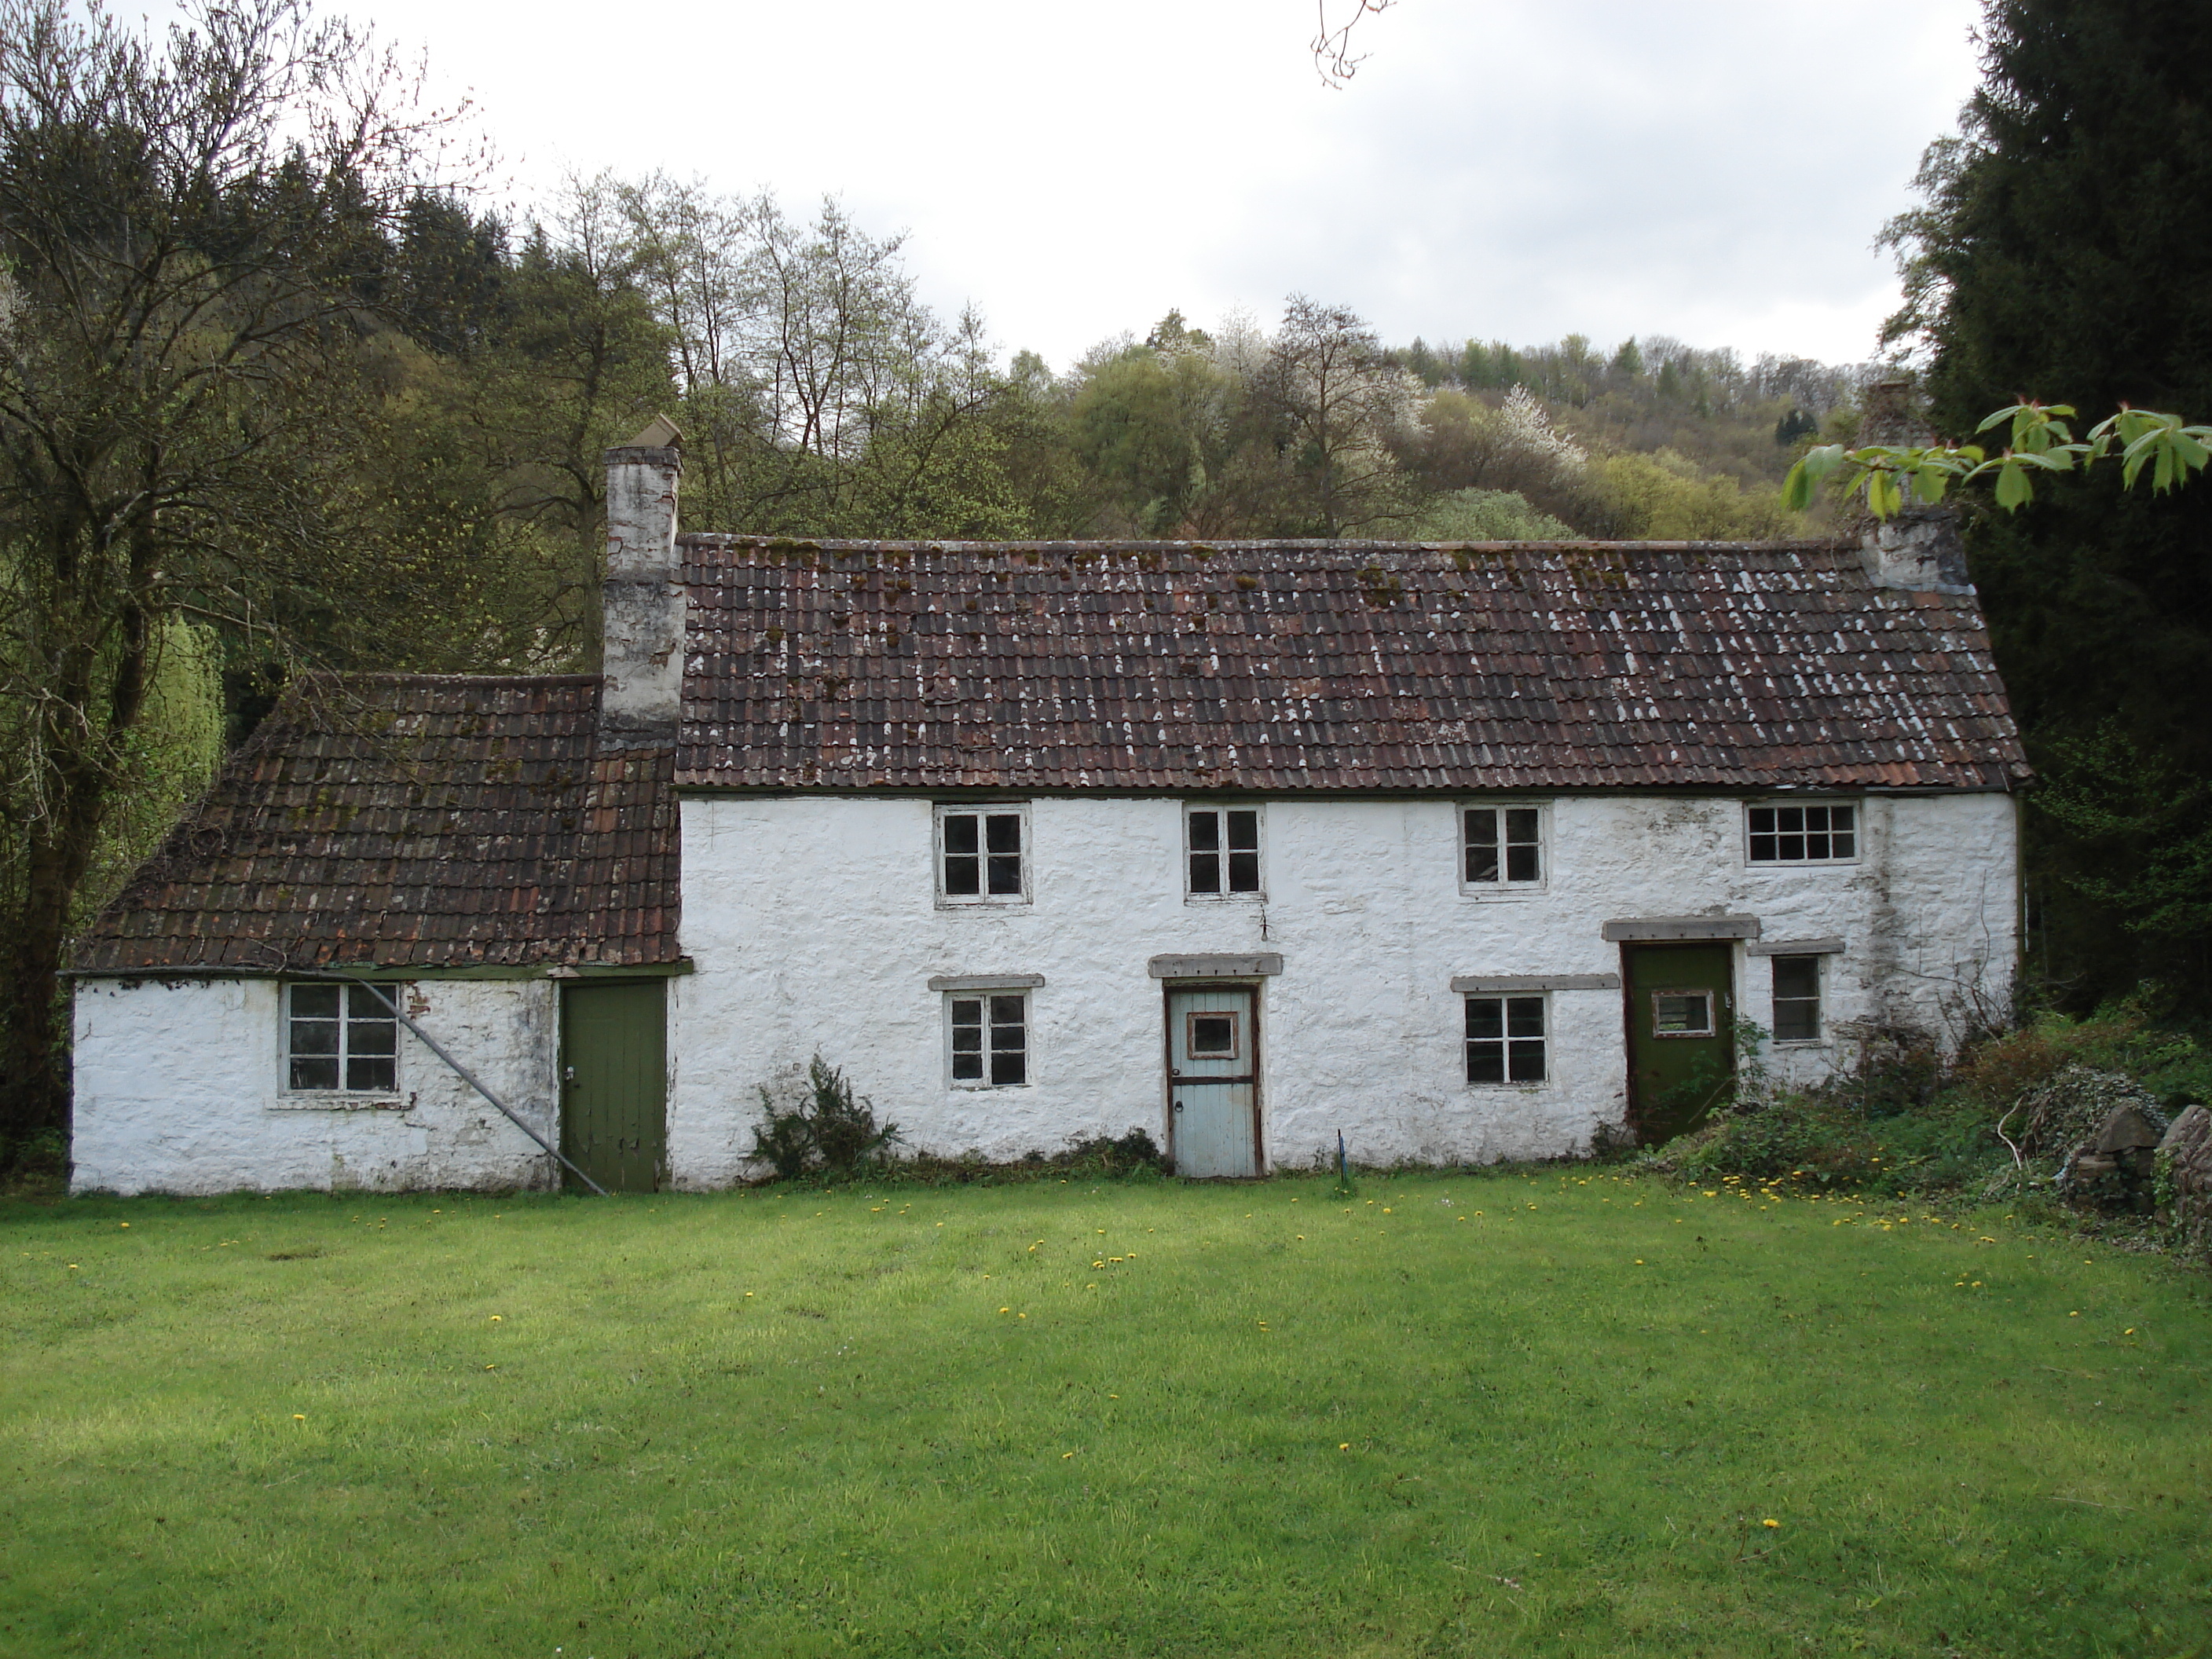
458	1070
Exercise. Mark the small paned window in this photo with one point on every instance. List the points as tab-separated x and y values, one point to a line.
1682	1014
1502	846
1212	1035
1796	998
1505	1039
1223	849
980	856
1803	834
339	1038
991	1040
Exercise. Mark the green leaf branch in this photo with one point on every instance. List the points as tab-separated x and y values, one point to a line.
2040	438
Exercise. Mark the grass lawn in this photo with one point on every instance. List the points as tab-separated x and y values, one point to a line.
1557	1412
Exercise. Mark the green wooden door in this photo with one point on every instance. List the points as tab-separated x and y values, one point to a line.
1681	1037
614	1081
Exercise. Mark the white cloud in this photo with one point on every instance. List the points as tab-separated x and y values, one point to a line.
1712	169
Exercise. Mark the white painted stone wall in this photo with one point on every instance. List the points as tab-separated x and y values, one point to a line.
178	1089
814	925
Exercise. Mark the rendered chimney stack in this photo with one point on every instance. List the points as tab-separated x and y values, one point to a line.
1916	549
641	600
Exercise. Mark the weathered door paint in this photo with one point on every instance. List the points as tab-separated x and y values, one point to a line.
614	1081
1214	1081
1681	1037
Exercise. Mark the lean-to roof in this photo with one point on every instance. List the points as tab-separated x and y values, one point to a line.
1329	666
413	820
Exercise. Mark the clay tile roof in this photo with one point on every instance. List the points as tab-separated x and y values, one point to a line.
413	821
1335	666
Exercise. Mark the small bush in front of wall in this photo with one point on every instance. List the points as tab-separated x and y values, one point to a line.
819	1126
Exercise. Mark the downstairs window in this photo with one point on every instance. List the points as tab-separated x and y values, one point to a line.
340	1039
1505	1040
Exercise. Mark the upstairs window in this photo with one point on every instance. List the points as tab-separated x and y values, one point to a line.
339	1039
1803	834
990	1040
1222	850
1505	1039
1501	847
1796	998
983	856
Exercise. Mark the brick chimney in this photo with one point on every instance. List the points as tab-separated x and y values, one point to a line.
642	600
1917	548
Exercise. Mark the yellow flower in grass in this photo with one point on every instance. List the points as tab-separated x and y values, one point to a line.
1770	1523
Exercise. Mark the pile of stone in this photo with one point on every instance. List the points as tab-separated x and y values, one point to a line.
2182	1177
2068	1107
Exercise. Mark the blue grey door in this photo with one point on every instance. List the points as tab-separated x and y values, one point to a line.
1213	1078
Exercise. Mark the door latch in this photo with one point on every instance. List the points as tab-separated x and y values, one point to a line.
568	1074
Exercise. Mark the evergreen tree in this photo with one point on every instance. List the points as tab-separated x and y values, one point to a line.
2064	253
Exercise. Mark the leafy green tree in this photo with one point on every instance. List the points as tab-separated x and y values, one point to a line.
1486	515
189	226
2062	250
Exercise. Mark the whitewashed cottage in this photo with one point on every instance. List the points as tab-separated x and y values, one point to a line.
1463	852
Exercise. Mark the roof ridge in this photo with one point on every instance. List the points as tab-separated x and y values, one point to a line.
1346	544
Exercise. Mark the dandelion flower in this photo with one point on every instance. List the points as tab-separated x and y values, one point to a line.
497	1319
1005	1311
299	1416
1064	1457
1770	1523
1344	1445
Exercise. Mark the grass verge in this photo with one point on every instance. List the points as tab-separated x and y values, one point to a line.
1544	1413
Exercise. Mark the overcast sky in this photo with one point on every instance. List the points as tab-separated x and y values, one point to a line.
1712	169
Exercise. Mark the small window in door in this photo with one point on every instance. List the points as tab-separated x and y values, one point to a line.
1213	1035
982	855
1501	847
1796	998
990	1040
1682	1014
1222	850
1505	1040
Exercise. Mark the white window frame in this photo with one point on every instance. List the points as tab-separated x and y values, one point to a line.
981	811
1221	810
1857	832
1506	1038
348	993
1503	885
983	996
1820	1037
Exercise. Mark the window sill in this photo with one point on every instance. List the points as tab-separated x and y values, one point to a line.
1511	1088
987	905
985	1088
1225	898
340	1101
1528	890
1799	1043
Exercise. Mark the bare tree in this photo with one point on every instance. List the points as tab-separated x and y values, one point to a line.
190	227
1344	408
1332	46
